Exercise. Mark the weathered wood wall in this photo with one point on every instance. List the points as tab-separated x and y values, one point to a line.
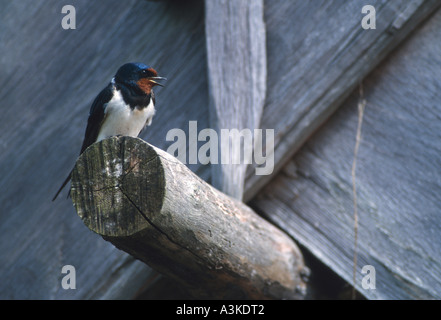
398	178
49	77
316	55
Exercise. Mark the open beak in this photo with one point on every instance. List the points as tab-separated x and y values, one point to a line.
154	79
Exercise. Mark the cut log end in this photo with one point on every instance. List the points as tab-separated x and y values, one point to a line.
149	204
115	173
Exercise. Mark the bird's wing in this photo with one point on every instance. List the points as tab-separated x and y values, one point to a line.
96	117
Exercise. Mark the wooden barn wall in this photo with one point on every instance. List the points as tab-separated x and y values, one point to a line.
49	77
398	178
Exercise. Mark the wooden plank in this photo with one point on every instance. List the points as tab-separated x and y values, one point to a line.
317	53
236	57
398	178
49	78
149	204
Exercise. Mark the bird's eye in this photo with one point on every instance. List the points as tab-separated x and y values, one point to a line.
144	71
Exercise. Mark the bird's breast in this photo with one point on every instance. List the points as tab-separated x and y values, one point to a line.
120	119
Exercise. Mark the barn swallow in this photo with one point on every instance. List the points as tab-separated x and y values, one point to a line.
125	107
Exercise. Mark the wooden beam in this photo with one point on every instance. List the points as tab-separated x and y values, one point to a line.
236	62
149	204
397	178
317	62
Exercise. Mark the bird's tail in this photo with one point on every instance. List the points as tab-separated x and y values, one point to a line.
62	186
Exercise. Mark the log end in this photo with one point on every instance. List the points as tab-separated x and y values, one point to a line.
106	185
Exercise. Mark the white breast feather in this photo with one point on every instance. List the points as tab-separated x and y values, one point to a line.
120	119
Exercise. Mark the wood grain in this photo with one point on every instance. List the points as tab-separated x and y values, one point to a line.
236	64
49	77
317	54
149	204
397	178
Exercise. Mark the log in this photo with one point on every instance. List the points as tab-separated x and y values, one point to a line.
149	204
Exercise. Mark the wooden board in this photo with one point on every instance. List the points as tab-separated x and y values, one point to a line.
49	78
236	63
398	178
317	53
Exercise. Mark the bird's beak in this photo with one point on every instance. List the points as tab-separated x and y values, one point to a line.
153	80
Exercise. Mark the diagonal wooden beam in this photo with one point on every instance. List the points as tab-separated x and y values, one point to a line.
320	57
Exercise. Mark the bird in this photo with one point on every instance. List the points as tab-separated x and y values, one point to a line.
124	107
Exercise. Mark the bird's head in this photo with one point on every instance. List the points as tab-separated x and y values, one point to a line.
139	76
